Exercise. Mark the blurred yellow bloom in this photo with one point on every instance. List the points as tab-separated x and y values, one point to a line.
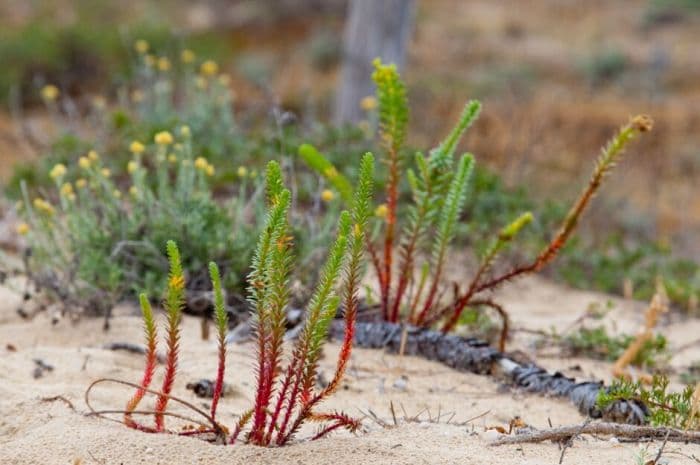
201	163
136	147
66	189
164	64
242	171
132	166
253	174
185	131
22	229
93	156
368	103
134	191
81	183
163	138
149	60
381	211
201	83
210	170
172	158
58	171
106	172
117	194
43	206
84	162
141	46
327	195
50	92
209	68
187	56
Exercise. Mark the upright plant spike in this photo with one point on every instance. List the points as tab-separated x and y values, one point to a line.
268	251
610	155
174	302
393	118
221	319
149	327
451	211
349	248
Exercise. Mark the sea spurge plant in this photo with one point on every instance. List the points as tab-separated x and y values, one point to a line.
286	396
439	184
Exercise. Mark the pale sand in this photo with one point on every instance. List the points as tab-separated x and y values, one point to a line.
36	432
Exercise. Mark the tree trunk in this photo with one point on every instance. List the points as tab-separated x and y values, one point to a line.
374	28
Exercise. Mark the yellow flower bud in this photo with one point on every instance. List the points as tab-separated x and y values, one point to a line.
106	172
81	183
327	195
331	172
58	171
187	56
136	147
209	68
22	229
163	138
172	158
132	166
381	211
141	46
242	172
50	92
84	162
185	131
210	170
134	191
201	83
93	156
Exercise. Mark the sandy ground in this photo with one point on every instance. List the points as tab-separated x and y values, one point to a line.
34	431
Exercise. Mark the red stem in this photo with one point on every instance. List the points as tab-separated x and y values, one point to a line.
392	194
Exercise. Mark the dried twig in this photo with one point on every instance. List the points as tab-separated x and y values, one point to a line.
609	429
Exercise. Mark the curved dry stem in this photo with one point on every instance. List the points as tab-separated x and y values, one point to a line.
212	423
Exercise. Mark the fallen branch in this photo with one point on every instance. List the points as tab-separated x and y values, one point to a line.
607	429
473	355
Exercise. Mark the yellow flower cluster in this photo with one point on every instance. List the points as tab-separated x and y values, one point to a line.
93	155
242	171
50	92
185	131
163	138
67	191
187	56
164	64
327	195
22	229
176	282
204	166
84	162
381	211
81	183
141	46
368	103
43	206
58	171
136	147
209	68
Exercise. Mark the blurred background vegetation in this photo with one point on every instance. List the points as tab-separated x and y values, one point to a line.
556	78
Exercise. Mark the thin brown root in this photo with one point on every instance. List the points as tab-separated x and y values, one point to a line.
610	429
